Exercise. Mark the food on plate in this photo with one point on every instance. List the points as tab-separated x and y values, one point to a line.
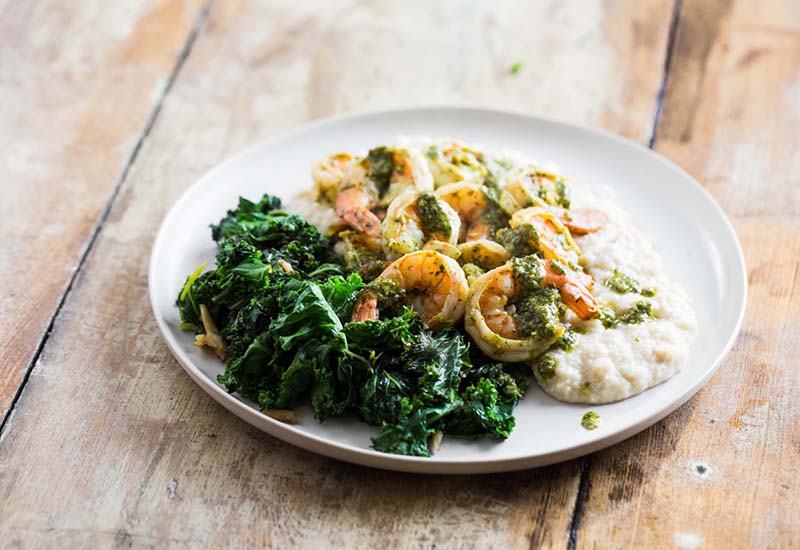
433	284
590	421
415	286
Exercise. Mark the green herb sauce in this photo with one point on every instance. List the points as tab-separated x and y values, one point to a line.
624	284
432	215
522	240
638	314
641	312
563	192
537	306
551	188
546	367
590	421
380	167
472	272
568	340
388	292
556	267
493	215
607	316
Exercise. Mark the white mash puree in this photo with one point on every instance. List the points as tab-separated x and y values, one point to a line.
612	364
606	364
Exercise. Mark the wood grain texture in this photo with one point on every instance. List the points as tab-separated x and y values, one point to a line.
723	471
77	83
111	443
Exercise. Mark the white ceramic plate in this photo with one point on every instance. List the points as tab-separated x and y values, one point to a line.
696	240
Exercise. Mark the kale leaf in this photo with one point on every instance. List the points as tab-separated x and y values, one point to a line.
289	340
277	234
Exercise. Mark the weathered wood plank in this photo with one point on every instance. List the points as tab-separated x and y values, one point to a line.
77	82
111	441
723	471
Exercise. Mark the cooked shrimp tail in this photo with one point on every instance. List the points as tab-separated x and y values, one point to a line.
575	288
353	205
366	307
582	222
431	283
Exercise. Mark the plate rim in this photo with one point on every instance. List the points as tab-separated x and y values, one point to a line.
431	465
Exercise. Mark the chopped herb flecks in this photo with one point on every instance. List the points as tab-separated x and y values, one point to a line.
590	421
623	284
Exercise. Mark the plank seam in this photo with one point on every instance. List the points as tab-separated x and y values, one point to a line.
580	502
662	89
191	38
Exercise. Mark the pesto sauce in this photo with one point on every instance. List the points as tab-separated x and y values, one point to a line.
567	341
563	192
371	269
432	152
546	367
536	306
551	188
388	292
556	267
529	272
366	263
493	215
590	421
491	178
607	316
472	272
467	157
432	215
522	240
360	259
641	312
381	166
538	313
624	284
638	314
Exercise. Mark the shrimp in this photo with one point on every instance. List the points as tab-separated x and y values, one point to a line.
549	235
430	282
512	314
354	205
329	173
414	218
580	222
451	162
575	288
530	186
484	253
363	188
479	214
410	171
442	247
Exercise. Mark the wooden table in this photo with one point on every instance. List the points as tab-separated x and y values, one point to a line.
111	109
